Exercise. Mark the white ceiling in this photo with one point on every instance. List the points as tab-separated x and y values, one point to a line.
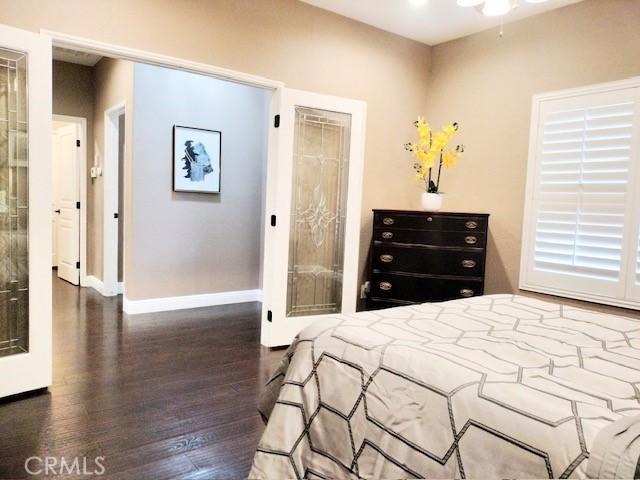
435	22
74	56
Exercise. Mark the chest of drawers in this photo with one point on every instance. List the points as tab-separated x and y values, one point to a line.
419	257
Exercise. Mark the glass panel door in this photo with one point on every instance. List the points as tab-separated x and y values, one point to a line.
318	211
14	204
25	211
313	207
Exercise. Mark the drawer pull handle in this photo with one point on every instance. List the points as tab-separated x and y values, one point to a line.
468	263
388	221
471	240
385	286
429	219
386	258
387	235
471	225
467	292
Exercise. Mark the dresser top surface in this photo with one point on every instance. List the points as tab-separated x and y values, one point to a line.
422	212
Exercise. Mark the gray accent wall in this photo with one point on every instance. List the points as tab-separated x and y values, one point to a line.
193	243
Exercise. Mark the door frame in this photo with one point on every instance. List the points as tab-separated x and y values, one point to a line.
111	187
276	87
88	45
81	122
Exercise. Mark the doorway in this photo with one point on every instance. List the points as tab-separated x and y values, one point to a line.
68	219
277	328
113	209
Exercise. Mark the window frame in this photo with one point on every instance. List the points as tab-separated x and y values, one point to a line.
629	296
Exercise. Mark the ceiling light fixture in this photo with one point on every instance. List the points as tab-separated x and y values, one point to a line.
494	8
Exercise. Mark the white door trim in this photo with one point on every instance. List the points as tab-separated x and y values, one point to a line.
110	169
134	55
82	171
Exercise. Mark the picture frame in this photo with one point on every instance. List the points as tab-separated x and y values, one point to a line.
197	156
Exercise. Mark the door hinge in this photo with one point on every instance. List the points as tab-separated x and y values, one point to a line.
115	215
276	121
269	316
77	264
273	220
78	205
77	143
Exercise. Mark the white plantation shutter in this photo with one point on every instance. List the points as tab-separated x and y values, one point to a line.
581	227
638	263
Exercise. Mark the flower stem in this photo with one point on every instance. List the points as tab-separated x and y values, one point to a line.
439	172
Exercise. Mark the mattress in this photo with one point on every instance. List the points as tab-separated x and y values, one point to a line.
499	386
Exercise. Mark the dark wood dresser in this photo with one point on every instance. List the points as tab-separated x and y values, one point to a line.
419	257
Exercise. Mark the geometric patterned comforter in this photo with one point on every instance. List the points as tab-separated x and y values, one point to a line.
499	386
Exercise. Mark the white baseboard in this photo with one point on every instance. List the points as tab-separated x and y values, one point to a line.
95	283
150	305
98	285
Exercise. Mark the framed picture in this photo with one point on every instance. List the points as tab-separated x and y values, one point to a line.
196	159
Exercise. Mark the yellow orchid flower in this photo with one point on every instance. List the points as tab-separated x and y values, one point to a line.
424	130
427	159
449	130
440	140
450	158
430	151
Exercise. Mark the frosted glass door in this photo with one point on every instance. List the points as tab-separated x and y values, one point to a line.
14	204
25	211
318	211
313	206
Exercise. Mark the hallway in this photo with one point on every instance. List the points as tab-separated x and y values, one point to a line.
162	395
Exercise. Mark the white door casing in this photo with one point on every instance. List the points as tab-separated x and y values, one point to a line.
33	369
278	329
111	187
67	196
54	207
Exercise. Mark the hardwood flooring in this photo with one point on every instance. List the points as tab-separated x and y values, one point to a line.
159	396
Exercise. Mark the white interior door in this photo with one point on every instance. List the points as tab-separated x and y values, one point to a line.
25	211
314	192
54	184
66	201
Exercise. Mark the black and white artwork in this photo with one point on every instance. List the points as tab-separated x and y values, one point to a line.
196	160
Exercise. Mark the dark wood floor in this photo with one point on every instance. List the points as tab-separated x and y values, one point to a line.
164	395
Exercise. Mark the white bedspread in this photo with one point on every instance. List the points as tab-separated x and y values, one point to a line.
498	386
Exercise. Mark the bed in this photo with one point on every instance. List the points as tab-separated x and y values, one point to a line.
499	386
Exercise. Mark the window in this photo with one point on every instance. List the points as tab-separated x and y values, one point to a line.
582	209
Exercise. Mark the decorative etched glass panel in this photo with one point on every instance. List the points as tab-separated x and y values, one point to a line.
318	209
14	206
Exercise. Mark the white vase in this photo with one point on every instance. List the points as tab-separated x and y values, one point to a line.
431	202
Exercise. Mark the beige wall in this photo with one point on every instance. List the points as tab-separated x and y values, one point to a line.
285	40
113	80
195	243
486	83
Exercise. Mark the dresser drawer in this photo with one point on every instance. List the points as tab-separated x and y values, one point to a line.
415	288
438	238
435	221
428	260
